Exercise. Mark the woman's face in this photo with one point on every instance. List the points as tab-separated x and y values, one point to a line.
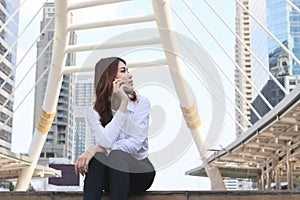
125	77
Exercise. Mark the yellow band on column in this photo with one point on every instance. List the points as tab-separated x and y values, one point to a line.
190	109
191	116
45	121
46	114
193	125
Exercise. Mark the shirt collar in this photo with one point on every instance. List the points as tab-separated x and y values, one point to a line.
131	106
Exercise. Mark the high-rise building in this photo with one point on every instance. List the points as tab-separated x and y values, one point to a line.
60	140
83	99
243	59
7	68
283	21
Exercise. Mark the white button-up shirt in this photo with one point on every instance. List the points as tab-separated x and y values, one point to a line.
126	131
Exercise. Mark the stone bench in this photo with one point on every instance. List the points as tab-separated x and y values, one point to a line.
162	195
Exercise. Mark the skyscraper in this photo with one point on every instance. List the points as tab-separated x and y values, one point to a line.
83	99
243	58
60	141
7	68
283	21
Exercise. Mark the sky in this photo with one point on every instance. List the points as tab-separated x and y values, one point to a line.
157	88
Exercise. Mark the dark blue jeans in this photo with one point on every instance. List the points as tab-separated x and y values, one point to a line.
119	174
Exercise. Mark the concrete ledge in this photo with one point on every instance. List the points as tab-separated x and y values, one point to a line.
163	195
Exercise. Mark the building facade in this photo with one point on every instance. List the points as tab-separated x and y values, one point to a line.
273	94
8	54
83	99
60	139
284	23
243	59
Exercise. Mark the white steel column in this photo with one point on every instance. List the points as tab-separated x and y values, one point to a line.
289	168
61	39
268	178
188	104
262	179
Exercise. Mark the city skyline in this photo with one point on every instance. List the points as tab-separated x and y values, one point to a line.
226	86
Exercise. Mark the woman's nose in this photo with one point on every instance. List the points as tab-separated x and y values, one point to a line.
129	75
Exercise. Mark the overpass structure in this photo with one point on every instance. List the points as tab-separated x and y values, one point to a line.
11	164
268	152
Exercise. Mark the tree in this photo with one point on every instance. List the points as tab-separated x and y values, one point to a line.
11	186
30	188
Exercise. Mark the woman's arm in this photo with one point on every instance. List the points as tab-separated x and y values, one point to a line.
105	136
136	129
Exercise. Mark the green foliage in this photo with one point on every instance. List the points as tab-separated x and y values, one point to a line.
11	186
30	188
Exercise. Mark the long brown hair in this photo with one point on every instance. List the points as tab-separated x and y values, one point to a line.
105	71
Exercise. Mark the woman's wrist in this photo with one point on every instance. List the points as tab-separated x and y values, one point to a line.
94	149
90	153
123	105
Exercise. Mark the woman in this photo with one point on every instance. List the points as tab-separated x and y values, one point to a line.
119	163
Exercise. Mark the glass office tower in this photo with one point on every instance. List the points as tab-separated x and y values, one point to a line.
284	22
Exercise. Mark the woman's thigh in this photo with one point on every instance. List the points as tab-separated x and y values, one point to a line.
123	161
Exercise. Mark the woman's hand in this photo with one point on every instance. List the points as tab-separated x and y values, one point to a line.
118	91
82	163
83	160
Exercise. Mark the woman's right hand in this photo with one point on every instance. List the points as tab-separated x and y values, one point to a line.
84	159
118	90
82	163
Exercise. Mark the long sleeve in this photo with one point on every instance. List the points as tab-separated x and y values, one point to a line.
105	136
136	129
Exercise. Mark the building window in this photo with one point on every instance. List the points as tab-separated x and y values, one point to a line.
292	82
49	155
